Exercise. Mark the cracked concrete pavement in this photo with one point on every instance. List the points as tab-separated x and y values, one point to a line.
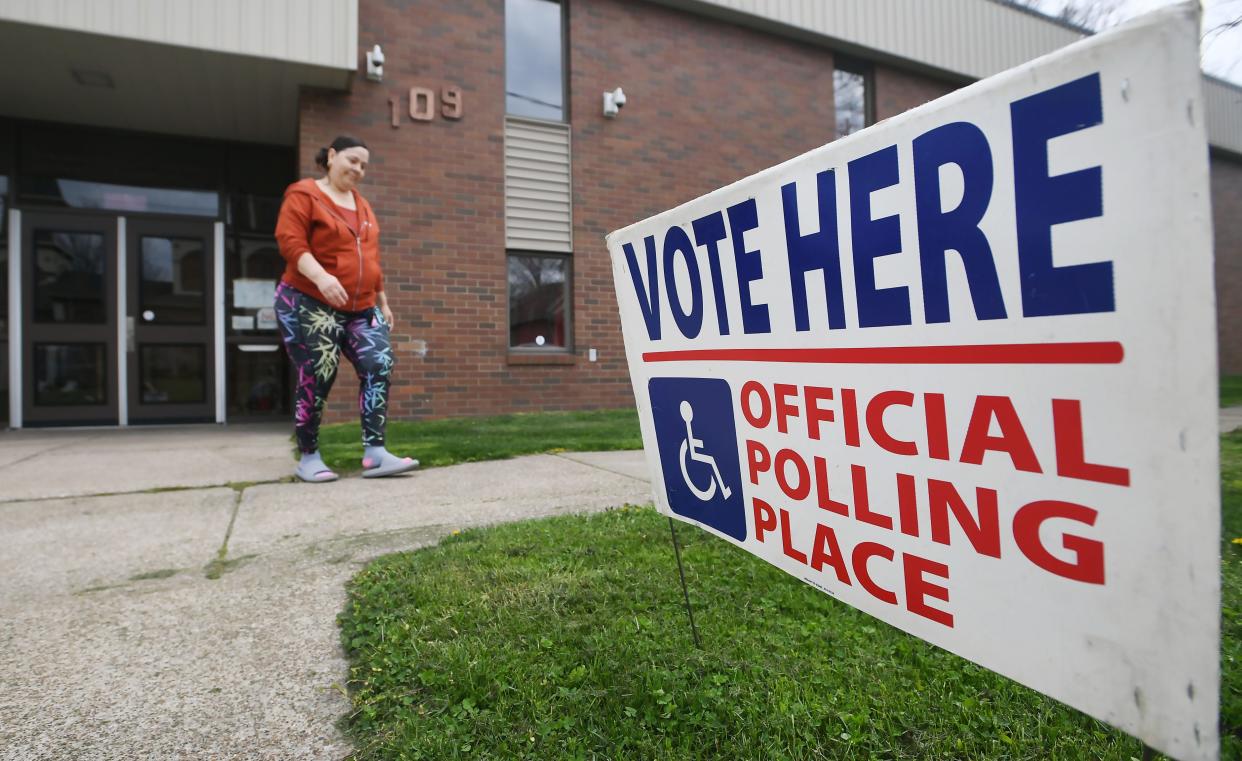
159	604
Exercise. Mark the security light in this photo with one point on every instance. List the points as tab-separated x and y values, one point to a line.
613	101
375	64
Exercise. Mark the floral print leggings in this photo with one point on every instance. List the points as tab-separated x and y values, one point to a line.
315	335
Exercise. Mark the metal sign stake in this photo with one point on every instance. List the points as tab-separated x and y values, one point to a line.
686	592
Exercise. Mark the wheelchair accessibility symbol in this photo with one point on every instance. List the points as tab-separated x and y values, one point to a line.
695	448
697	439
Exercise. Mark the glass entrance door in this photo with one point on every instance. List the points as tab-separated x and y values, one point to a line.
170	346
69	315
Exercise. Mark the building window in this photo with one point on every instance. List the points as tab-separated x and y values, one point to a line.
81	194
173	373
172	280
852	97
70	373
538	301
535	59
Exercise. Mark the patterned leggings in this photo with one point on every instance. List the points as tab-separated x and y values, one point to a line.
315	335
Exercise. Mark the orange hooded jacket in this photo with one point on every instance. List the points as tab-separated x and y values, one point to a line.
309	221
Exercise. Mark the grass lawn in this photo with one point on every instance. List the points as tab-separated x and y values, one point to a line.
447	442
566	639
1230	390
450	441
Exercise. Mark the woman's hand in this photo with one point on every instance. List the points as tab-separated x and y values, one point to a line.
384	310
333	292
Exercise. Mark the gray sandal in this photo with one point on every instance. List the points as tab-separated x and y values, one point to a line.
389	465
318	477
313	470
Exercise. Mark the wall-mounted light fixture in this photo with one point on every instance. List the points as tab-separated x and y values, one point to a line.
613	101
375	64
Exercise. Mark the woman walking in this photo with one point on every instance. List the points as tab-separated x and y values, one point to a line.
331	301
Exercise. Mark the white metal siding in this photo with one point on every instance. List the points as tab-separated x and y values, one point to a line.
975	38
970	38
317	32
1223	103
538	203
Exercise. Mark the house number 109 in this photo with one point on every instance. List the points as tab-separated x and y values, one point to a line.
423	104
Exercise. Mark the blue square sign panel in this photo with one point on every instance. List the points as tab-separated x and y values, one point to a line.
697	439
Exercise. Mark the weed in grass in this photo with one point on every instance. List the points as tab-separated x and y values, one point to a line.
220	565
160	490
241	486
100	588
162	573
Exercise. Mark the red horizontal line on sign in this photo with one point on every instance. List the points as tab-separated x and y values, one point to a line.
1083	353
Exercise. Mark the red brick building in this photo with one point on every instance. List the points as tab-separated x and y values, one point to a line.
494	172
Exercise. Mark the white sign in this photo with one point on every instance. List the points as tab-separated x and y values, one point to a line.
266	318
249	293
958	371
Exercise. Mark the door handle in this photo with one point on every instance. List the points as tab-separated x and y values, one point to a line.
129	335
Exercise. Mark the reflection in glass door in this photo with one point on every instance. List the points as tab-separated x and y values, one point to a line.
69	314
169	328
258	378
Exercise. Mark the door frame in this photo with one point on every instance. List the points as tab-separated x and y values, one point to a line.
14	318
137	332
20	301
108	413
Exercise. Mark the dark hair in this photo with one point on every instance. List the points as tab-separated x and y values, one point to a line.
339	144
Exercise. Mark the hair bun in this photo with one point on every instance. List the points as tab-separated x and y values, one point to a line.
341	143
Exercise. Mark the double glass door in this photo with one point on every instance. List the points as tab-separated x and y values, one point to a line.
118	320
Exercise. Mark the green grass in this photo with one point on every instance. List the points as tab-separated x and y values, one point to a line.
1230	390
1231	595
455	440
566	639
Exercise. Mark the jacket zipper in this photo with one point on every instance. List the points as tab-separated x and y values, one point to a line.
358	285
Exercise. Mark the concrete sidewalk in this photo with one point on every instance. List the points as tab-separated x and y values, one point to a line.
158	604
1230	419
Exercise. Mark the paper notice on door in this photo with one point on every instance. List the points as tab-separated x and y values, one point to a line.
266	318
243	322
249	293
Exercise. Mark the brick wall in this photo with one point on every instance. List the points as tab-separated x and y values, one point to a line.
709	103
897	91
1227	222
437	190
703	99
